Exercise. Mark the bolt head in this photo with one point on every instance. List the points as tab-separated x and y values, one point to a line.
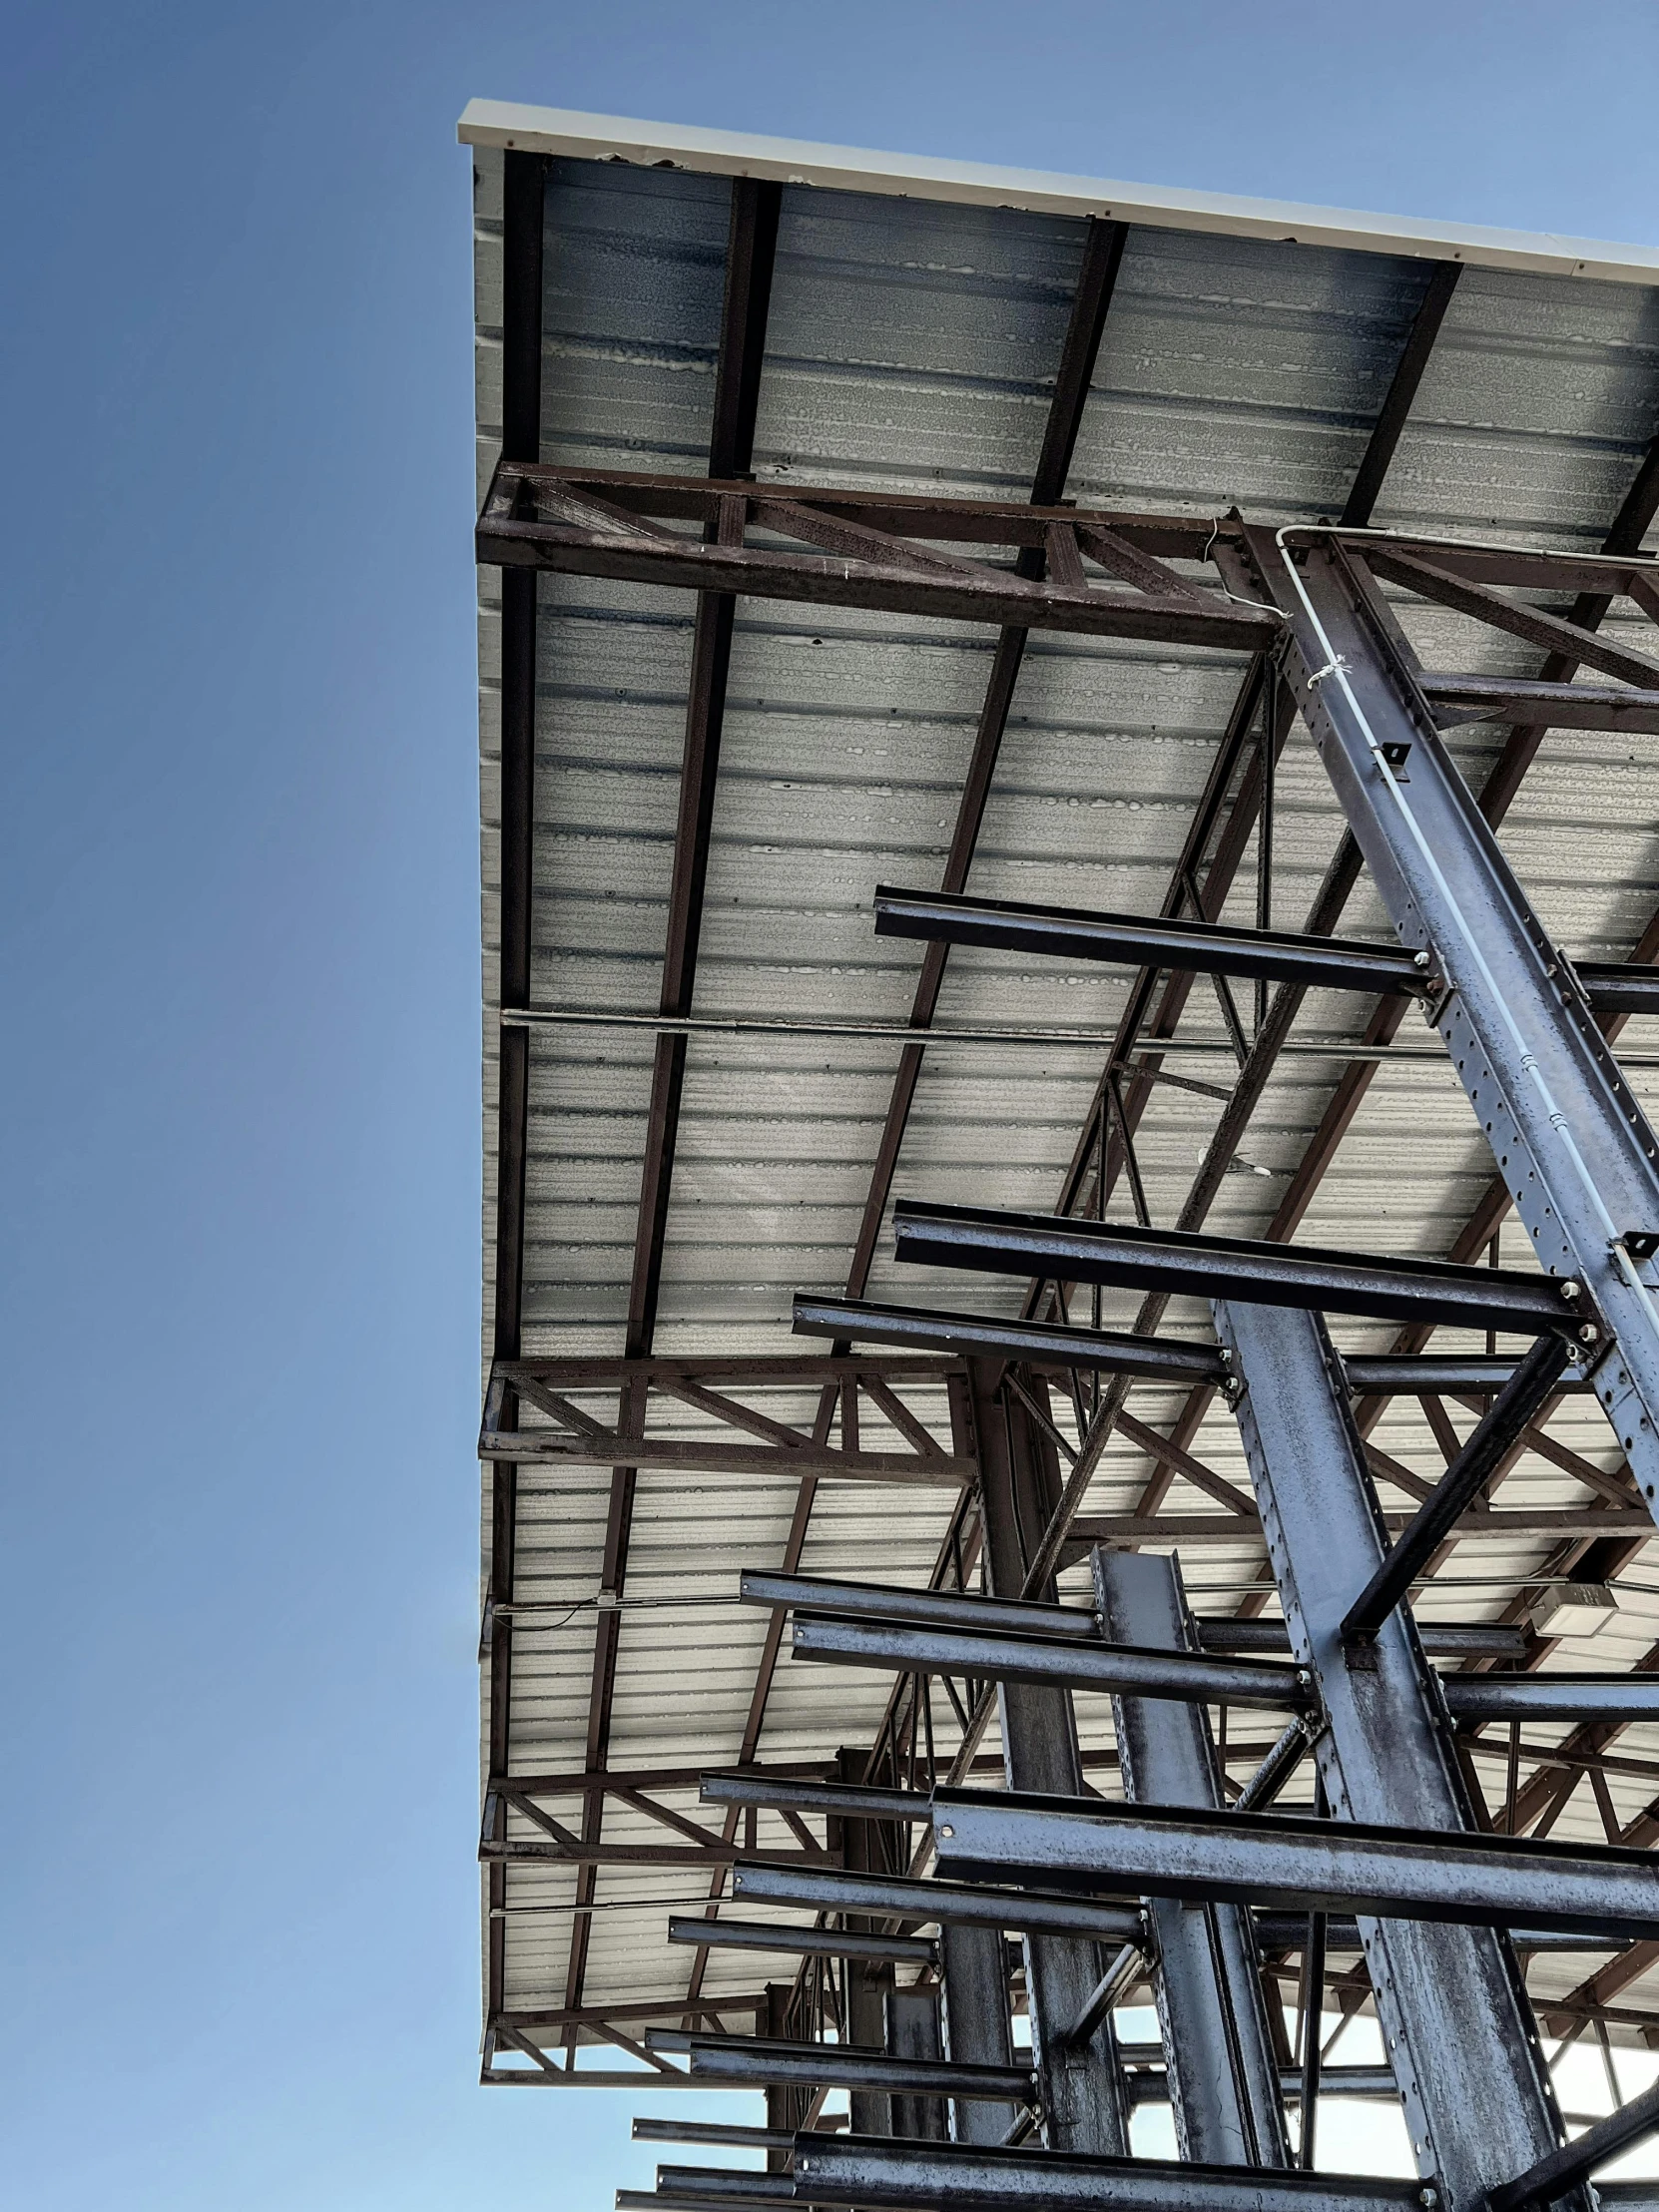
1570	1289
946	1829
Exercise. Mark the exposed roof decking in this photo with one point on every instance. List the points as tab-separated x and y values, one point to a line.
912	344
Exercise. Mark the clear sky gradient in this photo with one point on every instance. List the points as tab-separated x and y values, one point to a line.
238	1900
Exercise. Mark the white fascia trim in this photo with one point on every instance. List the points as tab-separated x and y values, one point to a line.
600	138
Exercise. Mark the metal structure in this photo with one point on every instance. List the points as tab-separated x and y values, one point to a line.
1002	696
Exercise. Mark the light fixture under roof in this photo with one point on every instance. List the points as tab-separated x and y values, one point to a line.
1574	1609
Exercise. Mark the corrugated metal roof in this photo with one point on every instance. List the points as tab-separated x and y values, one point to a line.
916	321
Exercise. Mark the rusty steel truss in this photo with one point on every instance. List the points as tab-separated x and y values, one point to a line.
940	1888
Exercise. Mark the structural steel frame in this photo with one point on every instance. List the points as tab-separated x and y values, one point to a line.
1186	1885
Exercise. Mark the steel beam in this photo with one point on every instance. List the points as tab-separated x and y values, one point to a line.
1392	417
1552	2177
1449	2000
1048	1344
1155	1358
753	2061
865	1849
859	2170
886	580
1135	941
878	1601
1062	1247
913	2032
1062	1661
751	241
1150	2085
837	1800
1440	1639
975	2022
1097	273
1524	1525
949	1904
1222	2078
1564	706
552	1448
1287	1931
1523	1396
1293	1863
1000	524
1572	1141
1618	986
1099	261
653	2130
1551	1697
779	2191
1436	1375
832	1942
1081	2084
1012	1616
738	2193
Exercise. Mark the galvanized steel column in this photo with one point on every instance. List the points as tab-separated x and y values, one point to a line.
1223	2077
864	1981
1571	1142
912	2031
1458	2029
1081	2083
976	2029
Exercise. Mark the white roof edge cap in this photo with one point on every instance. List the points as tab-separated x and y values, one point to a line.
599	138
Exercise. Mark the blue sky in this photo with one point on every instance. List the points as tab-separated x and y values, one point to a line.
239	950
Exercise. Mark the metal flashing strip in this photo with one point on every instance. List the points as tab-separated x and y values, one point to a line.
574	136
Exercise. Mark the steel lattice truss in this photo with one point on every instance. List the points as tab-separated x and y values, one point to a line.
978	1859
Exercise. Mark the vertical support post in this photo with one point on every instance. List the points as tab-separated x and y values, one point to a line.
1454	2012
975	2020
1081	2084
1574	1148
864	1981
785	2107
1313	2028
912	2031
1223	2079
